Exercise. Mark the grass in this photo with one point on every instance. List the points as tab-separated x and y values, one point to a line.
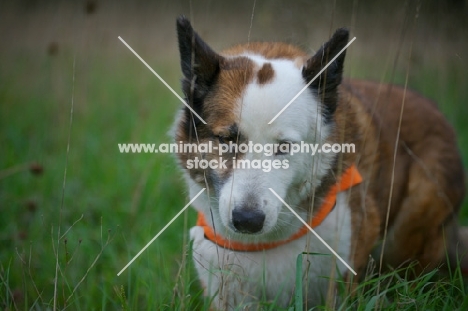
397	293
123	198
113	203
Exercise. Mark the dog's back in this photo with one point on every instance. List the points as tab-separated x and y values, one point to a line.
410	161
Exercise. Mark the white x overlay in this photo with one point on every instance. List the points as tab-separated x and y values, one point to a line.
201	191
162	80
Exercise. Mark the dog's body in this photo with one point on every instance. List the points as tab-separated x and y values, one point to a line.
412	177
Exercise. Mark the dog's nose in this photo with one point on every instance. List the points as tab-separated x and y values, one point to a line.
248	221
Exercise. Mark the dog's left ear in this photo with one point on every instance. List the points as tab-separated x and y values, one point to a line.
326	84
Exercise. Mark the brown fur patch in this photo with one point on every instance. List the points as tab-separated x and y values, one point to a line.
265	74
221	107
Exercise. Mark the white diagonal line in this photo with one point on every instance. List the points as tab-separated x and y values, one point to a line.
308	84
315	233
160	232
162	80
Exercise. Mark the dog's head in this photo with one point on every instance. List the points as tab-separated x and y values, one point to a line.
237	93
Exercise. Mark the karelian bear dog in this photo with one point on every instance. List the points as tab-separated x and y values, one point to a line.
396	194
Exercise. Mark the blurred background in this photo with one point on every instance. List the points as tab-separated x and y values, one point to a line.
70	91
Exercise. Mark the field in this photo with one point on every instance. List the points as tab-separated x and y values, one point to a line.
74	210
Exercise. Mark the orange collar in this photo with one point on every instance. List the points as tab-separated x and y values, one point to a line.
350	178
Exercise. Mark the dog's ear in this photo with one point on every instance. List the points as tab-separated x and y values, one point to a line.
200	64
326	84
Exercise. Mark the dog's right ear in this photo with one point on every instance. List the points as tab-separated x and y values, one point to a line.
200	64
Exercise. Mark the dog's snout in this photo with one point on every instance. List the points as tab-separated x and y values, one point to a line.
248	220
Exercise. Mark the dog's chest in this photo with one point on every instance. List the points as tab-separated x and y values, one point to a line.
245	277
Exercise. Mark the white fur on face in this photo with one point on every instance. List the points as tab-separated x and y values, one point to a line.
301	121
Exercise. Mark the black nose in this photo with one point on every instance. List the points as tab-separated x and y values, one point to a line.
248	221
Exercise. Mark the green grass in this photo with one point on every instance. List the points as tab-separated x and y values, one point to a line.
394	292
113	203
119	199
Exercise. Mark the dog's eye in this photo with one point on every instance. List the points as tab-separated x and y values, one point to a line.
222	139
225	139
283	148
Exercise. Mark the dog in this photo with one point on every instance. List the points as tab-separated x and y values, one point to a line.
394	200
